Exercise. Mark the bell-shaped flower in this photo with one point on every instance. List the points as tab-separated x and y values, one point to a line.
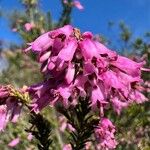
88	49
127	65
10	107
70	73
105	134
118	105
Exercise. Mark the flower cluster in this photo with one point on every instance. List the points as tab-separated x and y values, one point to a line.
76	66
105	134
10	107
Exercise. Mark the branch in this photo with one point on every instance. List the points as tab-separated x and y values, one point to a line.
41	129
83	122
66	14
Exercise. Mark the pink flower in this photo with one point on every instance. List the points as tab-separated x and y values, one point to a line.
88	145
98	95
105	134
137	96
30	136
29	26
68	51
127	65
88	49
63	93
67	147
111	80
14	30
105	52
70	74
74	65
14	142
3	115
42	43
78	5
65	1
118	105
41	96
49	93
10	108
65	125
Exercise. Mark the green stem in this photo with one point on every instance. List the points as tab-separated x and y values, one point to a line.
58	135
83	121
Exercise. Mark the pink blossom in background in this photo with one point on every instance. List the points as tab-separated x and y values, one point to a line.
88	145
14	29
30	136
78	5
147	86
64	124
67	147
118	105
29	26
3	115
10	108
105	135
65	1
14	142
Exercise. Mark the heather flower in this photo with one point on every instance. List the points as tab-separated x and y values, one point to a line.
118	105
41	96
64	125
10	108
67	147
105	134
48	93
75	3
127	65
40	44
137	96
88	145
29	26
30	136
14	142
86	46
65	1
98	95
70	73
79	66
68	51
147	86
78	5
3	116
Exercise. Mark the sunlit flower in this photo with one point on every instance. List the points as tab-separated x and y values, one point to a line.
75	65
10	108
